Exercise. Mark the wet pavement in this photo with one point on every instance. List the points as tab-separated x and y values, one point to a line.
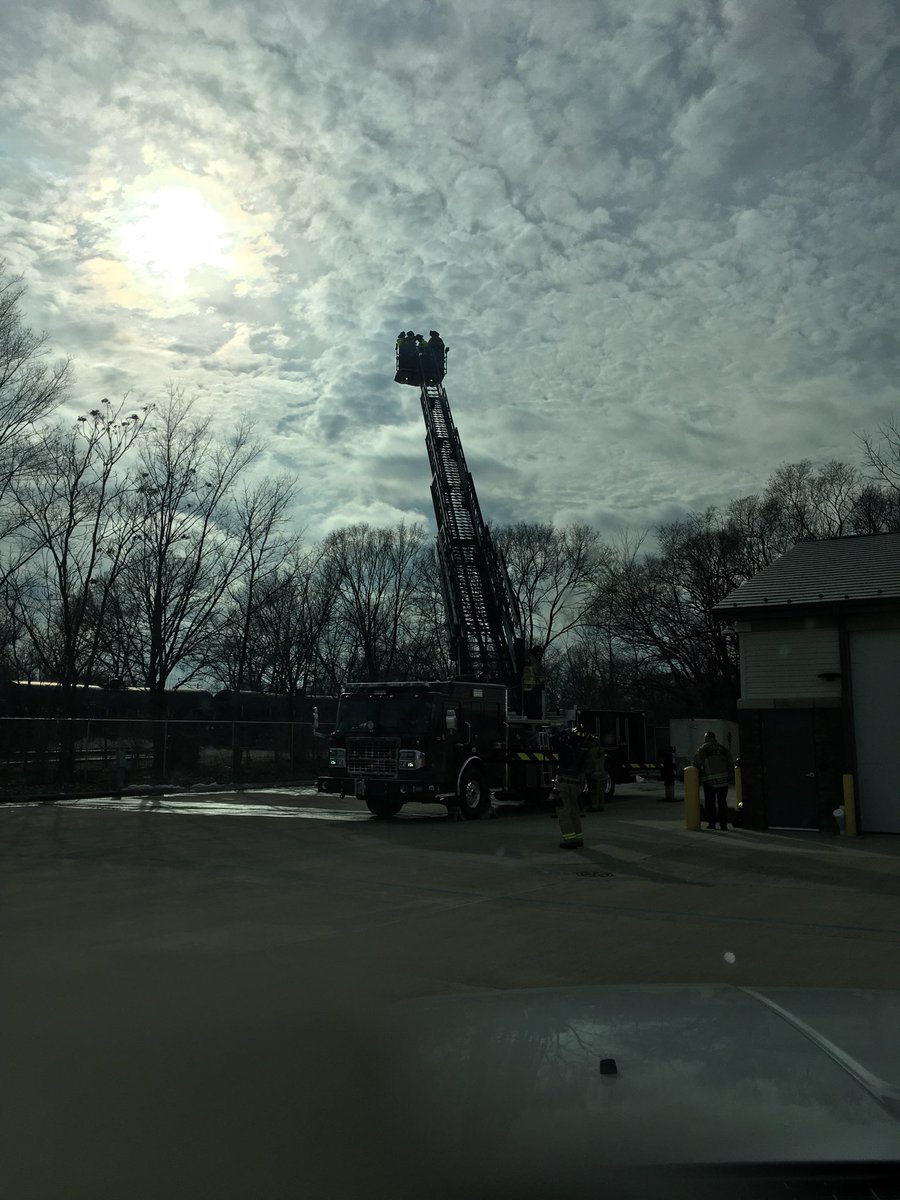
189	981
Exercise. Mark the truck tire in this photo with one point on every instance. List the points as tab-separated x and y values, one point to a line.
383	807
474	795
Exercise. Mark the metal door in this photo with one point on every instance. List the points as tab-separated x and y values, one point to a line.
875	671
789	769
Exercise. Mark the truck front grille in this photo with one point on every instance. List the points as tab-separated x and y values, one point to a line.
373	756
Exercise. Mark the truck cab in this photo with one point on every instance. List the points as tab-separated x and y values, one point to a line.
440	742
623	735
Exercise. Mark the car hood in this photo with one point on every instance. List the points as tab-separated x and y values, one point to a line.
507	1085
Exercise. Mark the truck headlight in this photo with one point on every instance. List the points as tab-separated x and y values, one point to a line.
337	756
411	760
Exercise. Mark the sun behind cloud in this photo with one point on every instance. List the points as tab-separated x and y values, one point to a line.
172	231
175	240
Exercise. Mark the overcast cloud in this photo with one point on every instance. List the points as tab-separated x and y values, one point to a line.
660	237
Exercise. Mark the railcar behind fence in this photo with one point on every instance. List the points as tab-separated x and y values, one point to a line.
114	742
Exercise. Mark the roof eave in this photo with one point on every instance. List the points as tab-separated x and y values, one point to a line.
724	608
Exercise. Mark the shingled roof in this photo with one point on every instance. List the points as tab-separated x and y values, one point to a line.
824	572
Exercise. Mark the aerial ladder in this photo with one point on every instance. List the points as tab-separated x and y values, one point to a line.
467	742
482	613
472	737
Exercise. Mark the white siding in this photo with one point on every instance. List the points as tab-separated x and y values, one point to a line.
786	664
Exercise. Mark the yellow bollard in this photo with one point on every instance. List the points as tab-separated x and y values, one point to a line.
849	807
691	798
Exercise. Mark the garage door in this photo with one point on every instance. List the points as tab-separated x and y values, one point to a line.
875	666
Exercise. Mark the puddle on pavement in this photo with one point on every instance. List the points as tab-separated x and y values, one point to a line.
212	808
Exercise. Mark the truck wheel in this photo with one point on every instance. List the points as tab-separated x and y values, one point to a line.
609	788
383	808
474	794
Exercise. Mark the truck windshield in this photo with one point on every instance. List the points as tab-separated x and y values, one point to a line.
385	714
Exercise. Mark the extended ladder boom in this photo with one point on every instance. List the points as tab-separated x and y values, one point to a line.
481	607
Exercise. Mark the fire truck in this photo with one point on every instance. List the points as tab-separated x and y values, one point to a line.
453	741
443	741
623	735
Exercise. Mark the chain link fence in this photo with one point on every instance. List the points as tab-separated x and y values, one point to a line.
46	753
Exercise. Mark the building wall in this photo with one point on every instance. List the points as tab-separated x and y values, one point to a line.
793	663
789	664
783	658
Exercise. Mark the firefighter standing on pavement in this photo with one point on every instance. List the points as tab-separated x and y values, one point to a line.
573	760
715	765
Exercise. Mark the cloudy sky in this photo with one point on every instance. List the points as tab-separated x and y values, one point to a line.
660	236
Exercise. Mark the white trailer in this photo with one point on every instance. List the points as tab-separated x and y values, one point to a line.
686	735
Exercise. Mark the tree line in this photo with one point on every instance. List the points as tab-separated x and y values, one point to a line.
138	547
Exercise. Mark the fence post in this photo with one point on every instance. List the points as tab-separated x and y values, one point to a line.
119	770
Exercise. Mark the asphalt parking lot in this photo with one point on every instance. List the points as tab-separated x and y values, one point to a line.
189	981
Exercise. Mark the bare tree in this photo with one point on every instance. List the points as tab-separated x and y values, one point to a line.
426	650
260	515
192	548
76	534
297	624
288	636
30	389
190	552
663	609
304	634
594	663
553	573
760	531
877	509
377	575
335	656
802	502
883	453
